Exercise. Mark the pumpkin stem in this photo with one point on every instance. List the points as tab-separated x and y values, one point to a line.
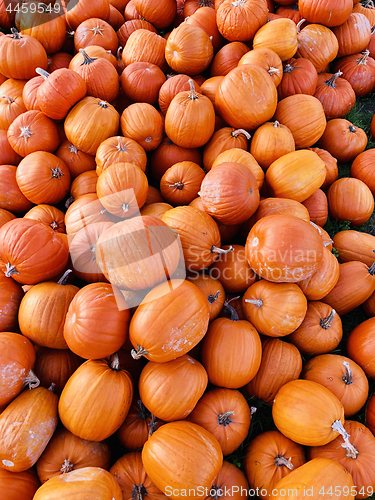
363	59
178	185
253	409
120	146
10	270
115	362
64	277
54	225
231	310
192	94
10	99
15	33
326	322
119	53
373	30
69	201
371	269
97	30
103	104
42	73
276	124
152	425
139	492
31	380
300	24
212	298
348	375
369	4
143	412
224	418
136	354
239	131
319	229
216	492
238	3
257	302
280	461
86	58
327	243
56	173
350	450
26	133
332	81
67	466
52	387
221	250
352	128
73	149
273	71
288	68
125	207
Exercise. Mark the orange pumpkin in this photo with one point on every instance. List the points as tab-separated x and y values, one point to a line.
279	36
360	346
10	298
77	161
361	205
48	214
271	141
355	245
239	21
142	123
15	485
343	140
119	149
212	289
180	184
227	58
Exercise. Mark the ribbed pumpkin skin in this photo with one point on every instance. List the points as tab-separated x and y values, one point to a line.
182	455
282	206
11	295
240	21
236	155
176	318
26	426
95	400
89	482
271	141
230	478
16	485
304	411
162	393
355	245
66	451
259	463
318	44
281	37
317	475
325	12
360	346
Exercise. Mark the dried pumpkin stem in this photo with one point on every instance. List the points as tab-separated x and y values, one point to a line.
69	201
10	270
373	30
332	81
273	71
327	243
143	412
139	492
15	33
54	225
192	94
256	302
137	354
152	425
115	362
178	185
348	375
288	68
352	129
52	387
42	73
239	131
363	59
125	207
276	124
67	466
231	310
72	149
56	173
216	492
212	298
369	4
26	132
86	58
282	461
350	450
326	322
120	146
10	99
371	269
221	250
31	380
103	104
300	24
239	3
224	418
64	277
319	229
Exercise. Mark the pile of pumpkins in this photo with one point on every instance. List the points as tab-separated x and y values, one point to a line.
166	170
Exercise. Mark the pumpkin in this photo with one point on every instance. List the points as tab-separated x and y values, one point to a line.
271	141
325	13
227	58
34	414
119	149
230	200
342	376
370	414
76	13
355	245
323	280
181	456
15	485
76	161
128	27
96	399
90	122
330	164
317	205
247	97
360	346
270	457
92	52
141	81
293	415
283	248
48	214
66	452
350	189
213	291
122	189
224	139
226	346
289	12
343	140
367	9
299	77
144	46
191	6
7	154
361	168
318	44
359	70
58	60
5	216
10	108
180	184
336	94
142	123
140	266
18	47
281	206
226	415
161	392
11	197
275	309
43	178
161	335
157	209
85	183
86	481
205	18
31	251
353	35
83	212
279	36
84	334
95	31
230	479
320	332
240	20
236	155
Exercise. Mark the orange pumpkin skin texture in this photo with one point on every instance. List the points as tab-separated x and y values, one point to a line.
55	366
362	168
275	309
326	13
276	253
336	94
180	184
342	376
224	139
353	35
32	251
95	400
230	478
7	154
236	155
355	245
350	199
160	15
142	81
299	77
316	475
183	456
370	414
156	209
173	86
343	140
119	149
227	58
230	199
280	36
170	321
239	21
66	452
293	112
281	363
320	332
318	44
304	411
247	97
86	482
361	464
142	123
360	346
77	161
15	485
132	478
85	183
138	253
317	205
226	414
10	108
10	298
212	289
17	359
270	457
226	346
281	206
27	424
83	212
97	32
144	46
6	216
271	141
48	214
161	392
296	175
